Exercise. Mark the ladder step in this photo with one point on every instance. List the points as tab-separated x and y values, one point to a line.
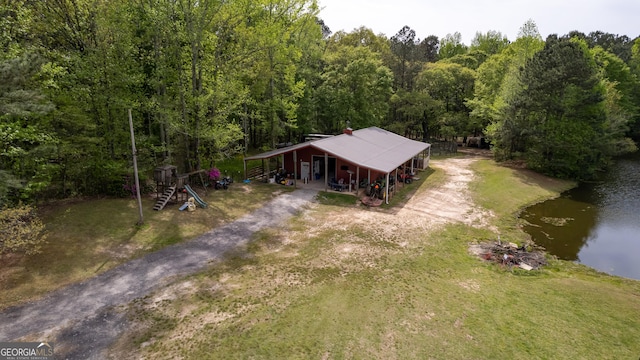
164	198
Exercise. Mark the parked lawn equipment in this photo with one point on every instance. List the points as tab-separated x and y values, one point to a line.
407	177
223	183
374	190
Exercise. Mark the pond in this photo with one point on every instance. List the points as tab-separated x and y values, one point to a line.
596	224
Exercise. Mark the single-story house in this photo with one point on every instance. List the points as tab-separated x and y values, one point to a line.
349	158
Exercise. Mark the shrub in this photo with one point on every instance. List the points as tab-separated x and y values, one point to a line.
214	173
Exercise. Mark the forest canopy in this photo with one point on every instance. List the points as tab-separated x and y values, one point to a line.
211	79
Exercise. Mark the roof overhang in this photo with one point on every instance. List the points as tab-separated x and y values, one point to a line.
277	152
371	148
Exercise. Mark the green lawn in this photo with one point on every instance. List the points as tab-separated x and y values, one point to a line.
315	290
323	288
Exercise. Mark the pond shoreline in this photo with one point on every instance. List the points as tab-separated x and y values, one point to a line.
593	224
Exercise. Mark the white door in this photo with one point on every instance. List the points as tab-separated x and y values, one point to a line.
305	167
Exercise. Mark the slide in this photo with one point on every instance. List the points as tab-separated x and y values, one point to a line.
199	201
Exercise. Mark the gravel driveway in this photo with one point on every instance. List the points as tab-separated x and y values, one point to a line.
81	319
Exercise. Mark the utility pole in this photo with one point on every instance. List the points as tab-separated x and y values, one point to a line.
135	168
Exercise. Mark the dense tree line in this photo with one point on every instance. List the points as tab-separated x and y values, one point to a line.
208	79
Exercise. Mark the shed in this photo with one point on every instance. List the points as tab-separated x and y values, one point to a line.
373	150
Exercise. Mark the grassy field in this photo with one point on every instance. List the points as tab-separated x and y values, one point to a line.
91	236
327	287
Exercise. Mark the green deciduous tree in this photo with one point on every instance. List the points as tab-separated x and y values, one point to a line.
409	106
284	31
24	141
420	114
472	59
361	37
621	100
451	45
15	22
356	89
450	85
428	49
498	81
492	42
619	45
634	64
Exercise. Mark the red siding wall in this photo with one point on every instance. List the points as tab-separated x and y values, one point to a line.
305	155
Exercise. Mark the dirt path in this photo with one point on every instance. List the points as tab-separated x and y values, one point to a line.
429	208
450	202
81	318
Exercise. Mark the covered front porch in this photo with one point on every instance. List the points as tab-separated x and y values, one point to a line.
348	163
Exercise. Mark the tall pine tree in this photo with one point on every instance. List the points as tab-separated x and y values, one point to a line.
561	106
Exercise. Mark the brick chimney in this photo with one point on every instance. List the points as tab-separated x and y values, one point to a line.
348	131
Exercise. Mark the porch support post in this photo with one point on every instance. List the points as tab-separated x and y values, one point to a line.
413	162
244	166
326	171
295	168
268	175
357	179
387	191
396	182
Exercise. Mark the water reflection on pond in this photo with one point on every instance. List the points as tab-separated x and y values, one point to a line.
595	224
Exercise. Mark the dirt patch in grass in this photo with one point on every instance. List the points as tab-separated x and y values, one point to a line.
428	209
476	152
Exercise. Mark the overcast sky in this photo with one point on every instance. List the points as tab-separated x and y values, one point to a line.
441	17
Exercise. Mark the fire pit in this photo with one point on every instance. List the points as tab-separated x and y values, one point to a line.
527	257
